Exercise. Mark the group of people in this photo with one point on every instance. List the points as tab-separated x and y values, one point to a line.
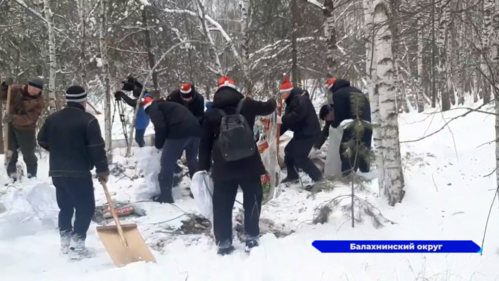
219	140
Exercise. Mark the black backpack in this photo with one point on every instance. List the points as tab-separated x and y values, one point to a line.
236	140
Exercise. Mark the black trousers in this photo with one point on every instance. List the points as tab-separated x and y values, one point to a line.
172	151
224	196
24	140
356	162
75	196
296	157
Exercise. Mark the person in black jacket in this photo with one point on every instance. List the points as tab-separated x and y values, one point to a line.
74	141
131	84
176	130
344	97
190	98
299	117
228	176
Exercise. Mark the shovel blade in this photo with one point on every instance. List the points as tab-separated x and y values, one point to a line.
135	251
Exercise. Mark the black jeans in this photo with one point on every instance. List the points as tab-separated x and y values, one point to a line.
224	196
75	196
296	157
361	163
24	140
172	151
139	137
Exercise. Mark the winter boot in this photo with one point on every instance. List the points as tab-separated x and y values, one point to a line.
31	171
78	250
65	241
251	242
290	180
164	198
177	178
225	248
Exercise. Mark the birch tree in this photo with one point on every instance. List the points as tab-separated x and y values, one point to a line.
105	78
392	181
52	58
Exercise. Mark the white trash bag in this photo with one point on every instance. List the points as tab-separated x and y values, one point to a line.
333	160
149	161
202	190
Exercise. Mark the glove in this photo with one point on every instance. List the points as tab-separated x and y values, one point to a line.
7	119
279	119
118	94
312	152
103	177
5	87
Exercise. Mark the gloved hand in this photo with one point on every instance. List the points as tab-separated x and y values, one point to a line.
7	119
313	152
103	177
4	86
118	95
279	119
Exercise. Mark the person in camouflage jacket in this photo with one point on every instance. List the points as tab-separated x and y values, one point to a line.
26	106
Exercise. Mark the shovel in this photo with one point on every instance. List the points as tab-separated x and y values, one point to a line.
124	243
8	152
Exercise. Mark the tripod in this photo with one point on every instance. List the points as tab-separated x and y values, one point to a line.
121	112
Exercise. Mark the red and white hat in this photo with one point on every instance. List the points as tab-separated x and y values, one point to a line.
146	102
330	83
226	82
286	85
186	88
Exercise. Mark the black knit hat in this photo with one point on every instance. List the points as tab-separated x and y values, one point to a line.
325	109
76	94
37	83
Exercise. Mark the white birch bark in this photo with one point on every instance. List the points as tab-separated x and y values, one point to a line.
105	79
245	24
330	33
83	62
52	58
486	32
371	86
393	179
420	93
495	58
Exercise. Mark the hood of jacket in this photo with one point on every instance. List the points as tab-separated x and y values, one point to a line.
340	83
227	97
296	92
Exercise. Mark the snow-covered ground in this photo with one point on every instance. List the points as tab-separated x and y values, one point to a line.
447	197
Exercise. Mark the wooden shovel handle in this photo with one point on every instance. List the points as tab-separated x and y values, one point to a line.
115	216
8	153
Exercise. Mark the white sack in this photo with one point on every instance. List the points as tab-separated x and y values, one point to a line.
333	160
202	190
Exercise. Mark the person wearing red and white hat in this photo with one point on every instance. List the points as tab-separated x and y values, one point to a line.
343	99
229	175
187	96
301	118
176	131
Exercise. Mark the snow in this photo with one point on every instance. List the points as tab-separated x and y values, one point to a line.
448	197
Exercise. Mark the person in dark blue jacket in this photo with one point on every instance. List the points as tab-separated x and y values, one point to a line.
345	97
189	98
131	84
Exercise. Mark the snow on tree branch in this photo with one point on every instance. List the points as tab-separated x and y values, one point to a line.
216	27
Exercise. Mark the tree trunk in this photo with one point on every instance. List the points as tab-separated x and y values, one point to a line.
150	55
393	179
52	58
420	97
245	25
83	60
330	32
487	26
105	79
